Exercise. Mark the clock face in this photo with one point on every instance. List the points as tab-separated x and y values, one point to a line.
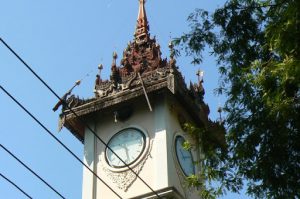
184	157
128	144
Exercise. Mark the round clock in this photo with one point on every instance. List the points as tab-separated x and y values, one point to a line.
184	157
128	144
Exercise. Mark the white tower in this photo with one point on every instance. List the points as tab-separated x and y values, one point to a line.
139	113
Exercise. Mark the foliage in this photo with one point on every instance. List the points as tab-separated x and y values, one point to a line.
256	45
212	168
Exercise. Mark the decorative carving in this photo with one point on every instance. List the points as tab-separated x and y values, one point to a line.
127	81
73	101
171	83
125	179
143	56
104	89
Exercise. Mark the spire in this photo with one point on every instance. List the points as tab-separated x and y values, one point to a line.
142	27
142	11
114	70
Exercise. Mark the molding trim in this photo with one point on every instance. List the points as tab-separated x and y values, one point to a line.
125	178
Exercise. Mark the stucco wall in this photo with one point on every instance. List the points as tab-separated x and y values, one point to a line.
158	166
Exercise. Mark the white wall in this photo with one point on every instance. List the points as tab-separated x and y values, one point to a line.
158	167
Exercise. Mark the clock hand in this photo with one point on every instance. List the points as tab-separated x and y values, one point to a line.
127	155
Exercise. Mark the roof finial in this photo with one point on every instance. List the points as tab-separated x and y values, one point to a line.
142	27
114	70
115	56
172	55
100	67
98	79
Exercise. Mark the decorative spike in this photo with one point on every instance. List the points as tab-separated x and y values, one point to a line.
114	70
100	68
172	55
98	76
142	11
142	27
172	52
78	82
115	56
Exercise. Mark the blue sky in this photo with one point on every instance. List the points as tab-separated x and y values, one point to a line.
63	41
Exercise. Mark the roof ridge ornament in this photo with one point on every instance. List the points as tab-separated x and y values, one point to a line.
172	55
114	70
142	28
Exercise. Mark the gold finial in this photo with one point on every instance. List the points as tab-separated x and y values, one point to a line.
98	76
115	56
100	67
77	82
142	2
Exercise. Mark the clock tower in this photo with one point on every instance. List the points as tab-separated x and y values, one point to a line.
139	114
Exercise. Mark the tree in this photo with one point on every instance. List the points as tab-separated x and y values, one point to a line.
256	45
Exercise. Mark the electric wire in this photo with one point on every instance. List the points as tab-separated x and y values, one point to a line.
54	137
28	168
76	115
14	184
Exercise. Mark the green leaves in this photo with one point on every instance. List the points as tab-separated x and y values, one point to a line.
198	37
256	44
211	142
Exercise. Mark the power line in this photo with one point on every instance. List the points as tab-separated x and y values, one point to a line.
80	119
14	184
54	137
28	168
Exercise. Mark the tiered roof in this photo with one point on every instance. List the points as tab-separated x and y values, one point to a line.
141	63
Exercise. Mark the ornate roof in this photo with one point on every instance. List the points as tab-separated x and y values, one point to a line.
141	66
140	56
